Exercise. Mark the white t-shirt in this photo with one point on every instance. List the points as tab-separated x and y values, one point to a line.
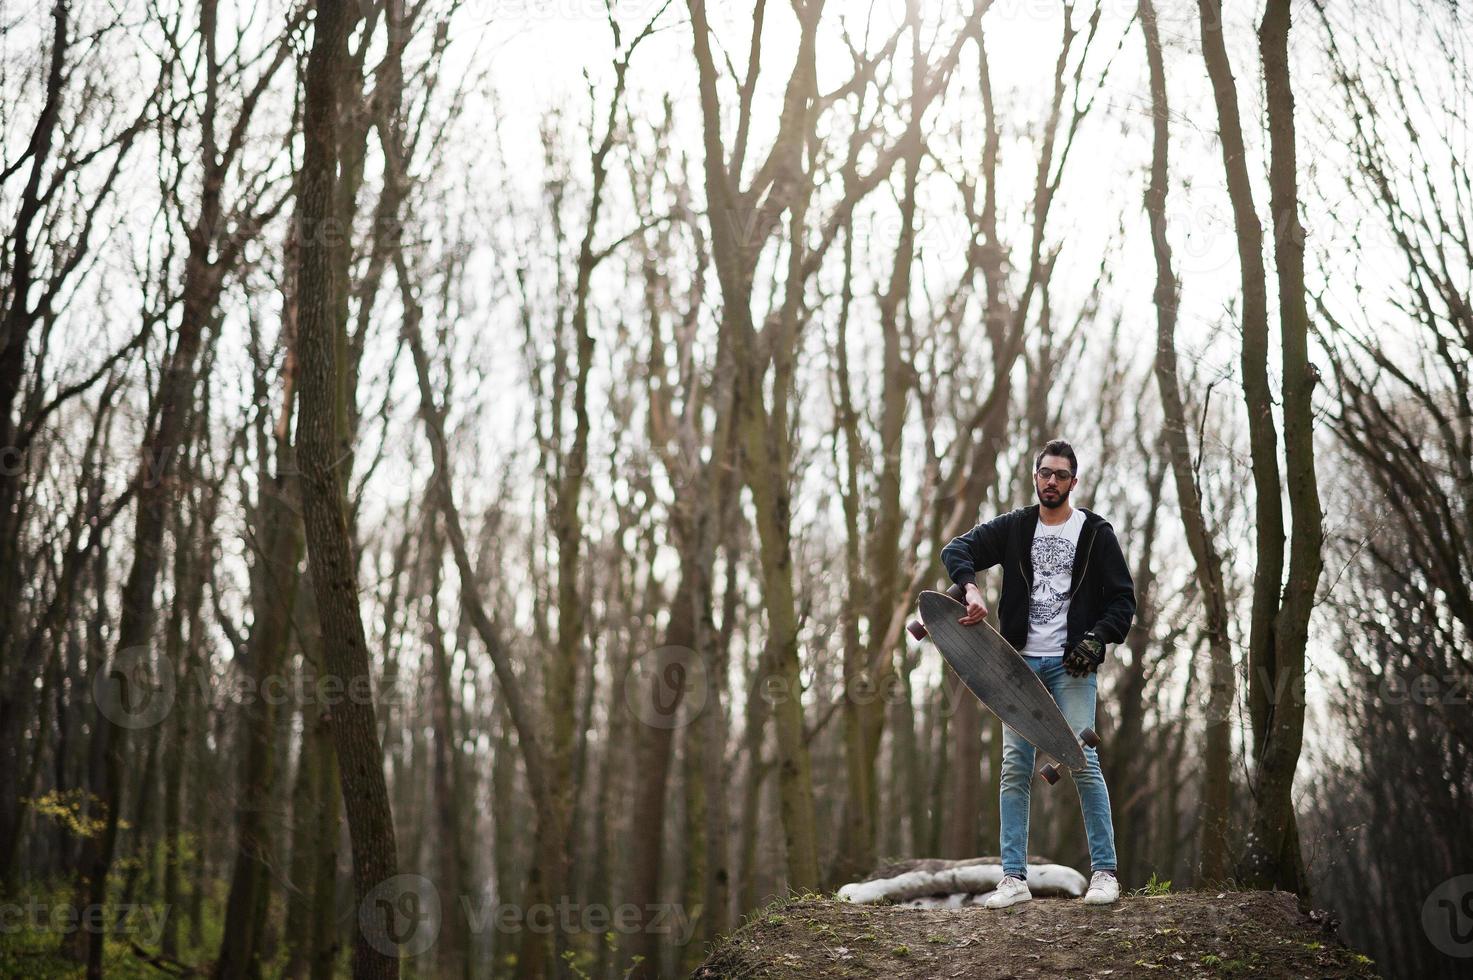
1053	568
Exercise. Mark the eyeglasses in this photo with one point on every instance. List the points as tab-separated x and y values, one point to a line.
1045	474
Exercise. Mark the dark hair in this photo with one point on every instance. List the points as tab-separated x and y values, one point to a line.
1058	447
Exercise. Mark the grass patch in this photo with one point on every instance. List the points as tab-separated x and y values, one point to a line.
1156	886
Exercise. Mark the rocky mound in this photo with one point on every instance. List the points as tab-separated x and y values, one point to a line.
1189	934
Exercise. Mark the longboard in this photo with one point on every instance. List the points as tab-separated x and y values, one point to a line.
1001	680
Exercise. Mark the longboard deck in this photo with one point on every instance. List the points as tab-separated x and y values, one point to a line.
999	677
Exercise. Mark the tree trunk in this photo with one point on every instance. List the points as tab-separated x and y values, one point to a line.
35	656
754	734
1272	857
189	593
1257	395
17	318
696	757
856	853
657	696
156	486
452	948
297	930
320	431
274	590
1128	769
549	875
964	803
763	436
874	684
1216	776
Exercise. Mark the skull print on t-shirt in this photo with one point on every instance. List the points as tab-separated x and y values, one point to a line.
1053	566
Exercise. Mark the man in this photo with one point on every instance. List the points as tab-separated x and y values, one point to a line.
1066	592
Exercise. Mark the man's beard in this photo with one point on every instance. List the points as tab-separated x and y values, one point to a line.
1053	503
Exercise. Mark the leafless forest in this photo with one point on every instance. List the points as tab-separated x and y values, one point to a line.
467	465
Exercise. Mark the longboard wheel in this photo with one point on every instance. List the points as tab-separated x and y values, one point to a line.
917	629
1088	737
1050	773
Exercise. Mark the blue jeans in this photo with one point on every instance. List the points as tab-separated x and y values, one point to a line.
1076	698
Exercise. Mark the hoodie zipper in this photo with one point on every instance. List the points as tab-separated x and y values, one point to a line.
1022	568
1087	555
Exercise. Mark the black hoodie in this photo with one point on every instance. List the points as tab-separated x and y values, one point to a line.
1101	593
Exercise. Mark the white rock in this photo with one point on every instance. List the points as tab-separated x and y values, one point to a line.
961	885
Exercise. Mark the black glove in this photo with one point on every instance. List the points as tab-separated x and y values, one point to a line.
1085	656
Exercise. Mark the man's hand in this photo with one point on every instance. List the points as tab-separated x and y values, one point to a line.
1085	656
976	608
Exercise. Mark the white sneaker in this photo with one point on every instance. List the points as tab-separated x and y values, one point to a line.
1104	889
1010	891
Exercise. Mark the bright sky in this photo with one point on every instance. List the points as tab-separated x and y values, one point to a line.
534	54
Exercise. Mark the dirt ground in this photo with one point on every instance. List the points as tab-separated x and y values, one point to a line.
1189	934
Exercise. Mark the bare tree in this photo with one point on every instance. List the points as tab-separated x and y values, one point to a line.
1401	415
217	237
1217	781
329	552
1272	852
1271	672
43	252
741	220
